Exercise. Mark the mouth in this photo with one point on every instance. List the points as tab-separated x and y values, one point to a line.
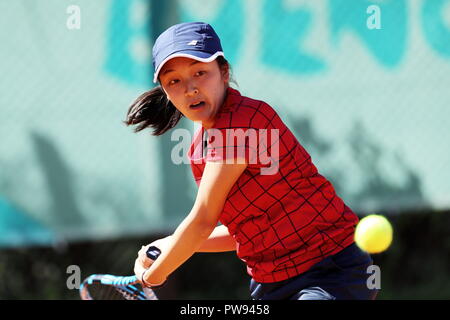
197	105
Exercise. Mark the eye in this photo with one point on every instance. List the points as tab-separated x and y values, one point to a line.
200	73
173	82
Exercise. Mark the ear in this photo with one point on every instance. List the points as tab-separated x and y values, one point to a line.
225	71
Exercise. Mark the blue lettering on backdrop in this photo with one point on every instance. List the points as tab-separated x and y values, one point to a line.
434	28
121	34
282	33
388	44
228	23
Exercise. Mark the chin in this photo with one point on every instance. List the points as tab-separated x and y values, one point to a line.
199	118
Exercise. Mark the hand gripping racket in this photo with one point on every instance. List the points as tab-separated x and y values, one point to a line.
109	287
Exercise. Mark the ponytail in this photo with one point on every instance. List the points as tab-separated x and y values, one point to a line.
153	109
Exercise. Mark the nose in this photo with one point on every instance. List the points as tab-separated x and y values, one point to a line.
191	89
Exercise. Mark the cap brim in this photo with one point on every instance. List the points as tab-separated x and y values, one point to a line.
196	55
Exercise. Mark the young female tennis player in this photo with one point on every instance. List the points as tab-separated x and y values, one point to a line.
283	218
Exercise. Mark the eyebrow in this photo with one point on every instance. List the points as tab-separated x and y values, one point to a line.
191	64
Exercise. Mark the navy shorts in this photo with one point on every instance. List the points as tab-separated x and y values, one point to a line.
342	276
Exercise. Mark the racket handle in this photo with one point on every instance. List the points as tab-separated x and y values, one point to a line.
153	252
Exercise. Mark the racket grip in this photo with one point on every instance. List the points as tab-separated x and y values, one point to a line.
153	252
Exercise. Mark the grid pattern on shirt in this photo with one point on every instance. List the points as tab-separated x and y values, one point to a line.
285	222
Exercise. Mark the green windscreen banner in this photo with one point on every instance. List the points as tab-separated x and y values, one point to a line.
363	85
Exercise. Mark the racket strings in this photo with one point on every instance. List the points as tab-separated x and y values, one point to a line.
150	295
126	295
105	292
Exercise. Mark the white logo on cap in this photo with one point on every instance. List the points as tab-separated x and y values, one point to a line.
192	43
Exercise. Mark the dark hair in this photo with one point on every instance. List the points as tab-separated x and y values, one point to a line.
153	109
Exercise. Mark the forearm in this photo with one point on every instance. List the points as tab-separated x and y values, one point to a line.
185	241
220	240
190	236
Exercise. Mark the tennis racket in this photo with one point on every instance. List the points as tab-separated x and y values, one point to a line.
110	287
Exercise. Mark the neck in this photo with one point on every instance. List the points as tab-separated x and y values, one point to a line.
210	123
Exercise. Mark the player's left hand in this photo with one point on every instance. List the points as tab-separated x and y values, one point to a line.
142	262
161	244
138	268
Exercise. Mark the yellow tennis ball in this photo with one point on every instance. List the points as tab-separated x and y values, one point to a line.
373	233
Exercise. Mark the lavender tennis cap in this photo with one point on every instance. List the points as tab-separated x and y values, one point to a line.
195	40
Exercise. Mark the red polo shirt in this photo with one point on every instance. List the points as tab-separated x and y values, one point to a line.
284	219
